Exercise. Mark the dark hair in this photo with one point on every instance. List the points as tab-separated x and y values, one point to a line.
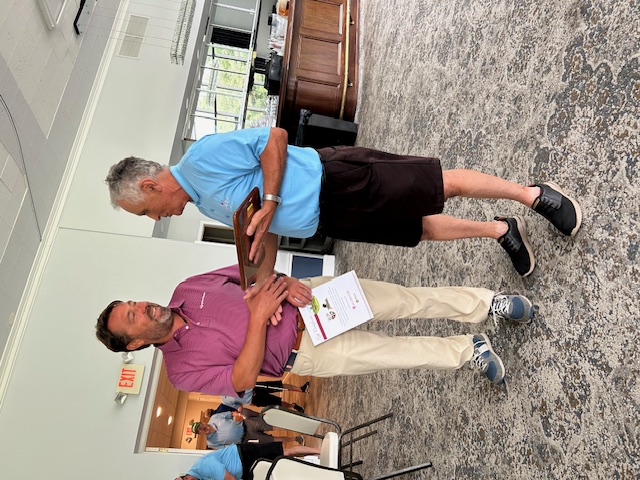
115	342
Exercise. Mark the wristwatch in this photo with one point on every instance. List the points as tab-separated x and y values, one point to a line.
272	198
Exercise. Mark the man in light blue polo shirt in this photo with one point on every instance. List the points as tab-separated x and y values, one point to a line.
217	188
242	425
234	462
349	193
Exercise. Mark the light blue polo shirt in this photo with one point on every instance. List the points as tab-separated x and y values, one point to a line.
228	431
218	172
213	465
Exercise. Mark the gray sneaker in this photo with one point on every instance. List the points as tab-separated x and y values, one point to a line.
515	308
486	360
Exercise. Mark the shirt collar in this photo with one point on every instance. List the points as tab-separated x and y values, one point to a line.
175	171
172	345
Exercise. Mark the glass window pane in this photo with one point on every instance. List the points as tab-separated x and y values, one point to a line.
220	107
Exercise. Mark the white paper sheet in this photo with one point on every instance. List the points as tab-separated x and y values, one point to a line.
337	306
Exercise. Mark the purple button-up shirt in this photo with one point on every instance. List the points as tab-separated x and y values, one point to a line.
201	354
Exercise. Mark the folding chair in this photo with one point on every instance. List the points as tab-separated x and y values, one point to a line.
331	441
289	468
260	469
330	450
309	425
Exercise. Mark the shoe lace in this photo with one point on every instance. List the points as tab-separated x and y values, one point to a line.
511	243
499	309
549	201
478	362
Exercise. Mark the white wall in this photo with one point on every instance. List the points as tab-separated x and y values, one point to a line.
63	378
186	227
262	46
137	114
59	418
46	77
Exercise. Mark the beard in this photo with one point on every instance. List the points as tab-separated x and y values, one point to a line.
162	324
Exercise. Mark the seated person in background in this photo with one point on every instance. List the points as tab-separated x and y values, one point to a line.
241	426
234	461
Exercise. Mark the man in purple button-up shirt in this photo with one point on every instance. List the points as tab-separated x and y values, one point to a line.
216	339
216	301
210	340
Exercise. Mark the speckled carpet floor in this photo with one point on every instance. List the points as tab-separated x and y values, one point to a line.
527	90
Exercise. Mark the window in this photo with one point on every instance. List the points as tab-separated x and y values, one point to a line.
210	232
229	91
229	94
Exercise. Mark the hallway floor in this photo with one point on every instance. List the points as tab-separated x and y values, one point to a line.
530	91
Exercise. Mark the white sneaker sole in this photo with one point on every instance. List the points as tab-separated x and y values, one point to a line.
522	229
575	204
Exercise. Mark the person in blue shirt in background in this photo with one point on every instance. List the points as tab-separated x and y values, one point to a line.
234	461
240	425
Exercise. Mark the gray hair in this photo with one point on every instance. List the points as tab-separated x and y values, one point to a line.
124	177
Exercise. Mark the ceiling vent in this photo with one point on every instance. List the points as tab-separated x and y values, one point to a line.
133	36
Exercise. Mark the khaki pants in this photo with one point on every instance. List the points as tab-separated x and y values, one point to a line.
358	351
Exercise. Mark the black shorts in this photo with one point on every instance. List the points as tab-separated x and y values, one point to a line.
250	452
377	197
262	396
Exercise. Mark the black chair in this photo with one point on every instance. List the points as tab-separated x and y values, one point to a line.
320	131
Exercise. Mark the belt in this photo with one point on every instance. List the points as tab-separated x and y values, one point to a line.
294	353
301	327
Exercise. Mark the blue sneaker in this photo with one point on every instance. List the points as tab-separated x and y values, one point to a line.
516	308
486	360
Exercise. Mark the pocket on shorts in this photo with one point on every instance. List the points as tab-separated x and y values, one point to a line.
346	180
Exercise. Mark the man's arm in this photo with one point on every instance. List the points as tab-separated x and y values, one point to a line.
228	476
269	261
261	307
272	161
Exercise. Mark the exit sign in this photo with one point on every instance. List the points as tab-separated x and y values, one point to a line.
130	379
